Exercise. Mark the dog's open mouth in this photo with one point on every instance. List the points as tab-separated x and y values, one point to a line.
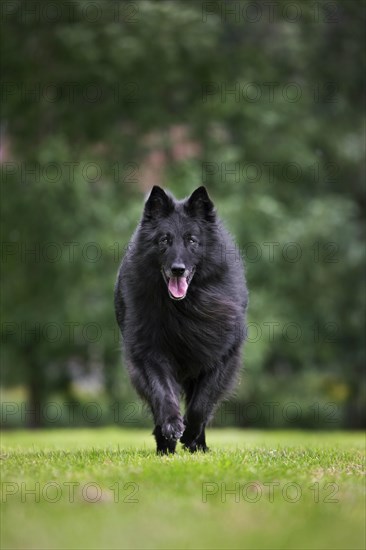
178	286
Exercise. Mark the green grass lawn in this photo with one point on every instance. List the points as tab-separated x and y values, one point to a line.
106	488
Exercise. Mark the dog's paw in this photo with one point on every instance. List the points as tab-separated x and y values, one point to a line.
190	435
193	438
173	428
195	446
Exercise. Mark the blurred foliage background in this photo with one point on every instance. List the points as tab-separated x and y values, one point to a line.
263	105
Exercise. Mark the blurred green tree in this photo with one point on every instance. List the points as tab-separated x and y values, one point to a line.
101	101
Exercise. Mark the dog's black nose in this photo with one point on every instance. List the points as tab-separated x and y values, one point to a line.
178	270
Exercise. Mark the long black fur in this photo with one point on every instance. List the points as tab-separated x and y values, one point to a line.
191	346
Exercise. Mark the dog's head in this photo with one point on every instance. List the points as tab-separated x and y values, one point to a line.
178	232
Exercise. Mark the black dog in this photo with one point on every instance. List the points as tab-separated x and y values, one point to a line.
180	301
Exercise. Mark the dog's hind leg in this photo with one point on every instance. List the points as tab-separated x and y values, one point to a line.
206	394
199	444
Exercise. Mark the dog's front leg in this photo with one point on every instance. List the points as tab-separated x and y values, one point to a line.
156	385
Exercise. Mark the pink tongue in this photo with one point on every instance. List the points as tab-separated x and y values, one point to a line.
178	286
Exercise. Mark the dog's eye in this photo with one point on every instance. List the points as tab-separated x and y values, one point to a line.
164	239
192	240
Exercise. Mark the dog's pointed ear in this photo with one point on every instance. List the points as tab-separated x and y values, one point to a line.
199	204
158	204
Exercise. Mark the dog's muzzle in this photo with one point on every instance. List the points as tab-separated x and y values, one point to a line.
177	284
